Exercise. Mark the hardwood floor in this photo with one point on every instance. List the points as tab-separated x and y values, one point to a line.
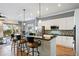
64	51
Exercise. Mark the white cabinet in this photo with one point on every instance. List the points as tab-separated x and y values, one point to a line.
63	23
66	23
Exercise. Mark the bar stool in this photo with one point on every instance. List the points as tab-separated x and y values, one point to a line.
18	38
33	45
13	43
21	45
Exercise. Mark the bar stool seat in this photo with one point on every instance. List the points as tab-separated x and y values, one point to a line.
22	41
33	45
14	40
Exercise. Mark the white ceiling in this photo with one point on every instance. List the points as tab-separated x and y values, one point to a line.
14	11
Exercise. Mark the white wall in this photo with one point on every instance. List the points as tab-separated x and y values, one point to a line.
77	30
65	24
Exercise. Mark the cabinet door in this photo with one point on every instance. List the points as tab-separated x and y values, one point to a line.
66	23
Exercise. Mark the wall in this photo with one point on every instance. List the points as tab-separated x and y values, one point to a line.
64	24
77	30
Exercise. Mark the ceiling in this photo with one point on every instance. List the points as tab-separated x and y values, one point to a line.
14	11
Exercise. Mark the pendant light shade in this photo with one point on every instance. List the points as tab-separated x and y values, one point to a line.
2	17
39	13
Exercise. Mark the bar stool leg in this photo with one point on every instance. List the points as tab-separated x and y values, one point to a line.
21	48
14	48
27	48
33	51
26	45
11	46
17	48
38	52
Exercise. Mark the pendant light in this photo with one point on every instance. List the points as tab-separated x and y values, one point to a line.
2	17
39	17
39	21
23	21
24	17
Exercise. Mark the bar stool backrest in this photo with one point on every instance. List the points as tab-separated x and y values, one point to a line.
30	39
18	37
12	35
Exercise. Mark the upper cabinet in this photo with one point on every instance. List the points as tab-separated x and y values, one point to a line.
66	23
63	23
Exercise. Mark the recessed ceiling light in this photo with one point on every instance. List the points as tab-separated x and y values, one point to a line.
37	12
39	21
31	14
36	28
24	23
59	5
46	9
